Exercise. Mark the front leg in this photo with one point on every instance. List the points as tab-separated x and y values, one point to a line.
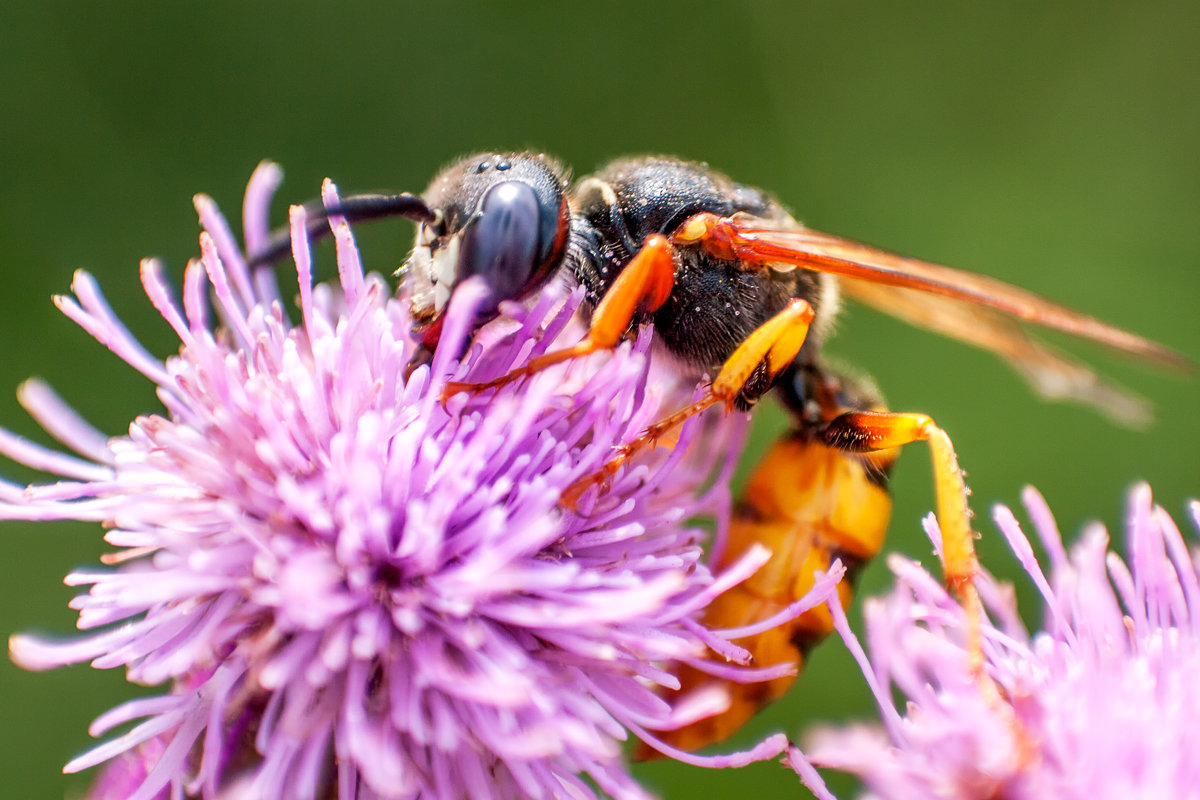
645	283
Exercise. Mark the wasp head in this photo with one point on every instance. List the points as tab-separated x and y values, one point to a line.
502	217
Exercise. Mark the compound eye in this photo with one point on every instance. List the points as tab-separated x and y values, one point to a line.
502	240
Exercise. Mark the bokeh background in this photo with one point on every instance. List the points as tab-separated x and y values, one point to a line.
1057	148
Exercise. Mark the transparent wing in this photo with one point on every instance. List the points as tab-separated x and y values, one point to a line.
972	308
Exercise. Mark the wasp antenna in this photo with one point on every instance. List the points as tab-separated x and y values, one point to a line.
361	207
356	208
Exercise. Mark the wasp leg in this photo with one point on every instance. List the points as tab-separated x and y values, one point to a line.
868	431
771	347
645	284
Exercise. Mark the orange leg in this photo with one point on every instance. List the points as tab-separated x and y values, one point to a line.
866	431
645	283
774	344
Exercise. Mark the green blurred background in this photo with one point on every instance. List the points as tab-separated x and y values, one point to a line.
1055	148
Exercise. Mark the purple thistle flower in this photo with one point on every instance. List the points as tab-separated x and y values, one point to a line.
1102	703
354	591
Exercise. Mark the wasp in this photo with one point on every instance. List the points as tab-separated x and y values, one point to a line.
735	287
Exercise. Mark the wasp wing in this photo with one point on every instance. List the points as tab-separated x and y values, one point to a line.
1052	373
974	309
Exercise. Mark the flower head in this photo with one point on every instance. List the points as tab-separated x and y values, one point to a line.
353	590
1102	703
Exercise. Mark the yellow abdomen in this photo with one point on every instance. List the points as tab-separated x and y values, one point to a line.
810	505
